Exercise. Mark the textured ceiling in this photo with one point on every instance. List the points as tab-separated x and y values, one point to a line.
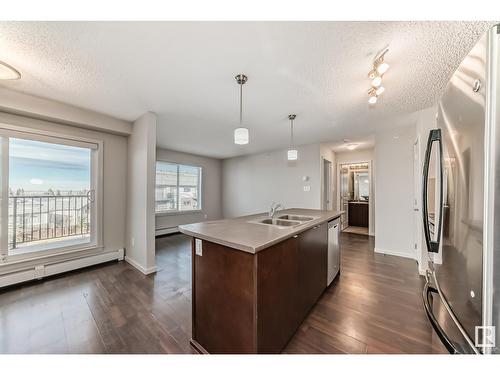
184	72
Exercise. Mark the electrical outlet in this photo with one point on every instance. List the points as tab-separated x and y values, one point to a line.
198	247
307	188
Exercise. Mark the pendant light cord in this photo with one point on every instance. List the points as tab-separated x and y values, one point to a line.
291	133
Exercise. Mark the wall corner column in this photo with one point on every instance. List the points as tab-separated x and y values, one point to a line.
141	166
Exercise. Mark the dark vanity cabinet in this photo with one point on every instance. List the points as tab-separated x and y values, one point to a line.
358	214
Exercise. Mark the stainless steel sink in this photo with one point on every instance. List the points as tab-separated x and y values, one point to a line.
295	217
276	223
283	221
280	223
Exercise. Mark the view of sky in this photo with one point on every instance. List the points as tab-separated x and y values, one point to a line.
39	166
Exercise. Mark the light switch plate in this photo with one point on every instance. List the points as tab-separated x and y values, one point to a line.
307	188
198	247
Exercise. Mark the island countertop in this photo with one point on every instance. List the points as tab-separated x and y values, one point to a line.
243	233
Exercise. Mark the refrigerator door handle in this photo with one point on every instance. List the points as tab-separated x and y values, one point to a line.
432	245
427	299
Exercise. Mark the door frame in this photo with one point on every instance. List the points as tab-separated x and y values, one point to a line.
330	189
371	201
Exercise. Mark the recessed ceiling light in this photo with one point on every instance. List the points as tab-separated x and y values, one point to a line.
352	146
8	72
395	136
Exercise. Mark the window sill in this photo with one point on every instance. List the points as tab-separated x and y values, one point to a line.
56	252
175	213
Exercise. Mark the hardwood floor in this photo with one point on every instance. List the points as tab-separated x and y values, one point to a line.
357	230
374	307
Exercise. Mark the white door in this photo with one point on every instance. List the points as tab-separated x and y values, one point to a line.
417	192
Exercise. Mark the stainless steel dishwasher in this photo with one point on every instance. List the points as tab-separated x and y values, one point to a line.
333	249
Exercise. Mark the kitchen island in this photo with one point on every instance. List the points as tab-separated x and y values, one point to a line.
254	280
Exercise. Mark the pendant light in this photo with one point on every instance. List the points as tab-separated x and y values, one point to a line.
292	153
241	135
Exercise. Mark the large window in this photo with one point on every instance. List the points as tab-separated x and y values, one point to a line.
178	188
48	189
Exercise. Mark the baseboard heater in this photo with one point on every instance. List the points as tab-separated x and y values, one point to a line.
169	230
44	270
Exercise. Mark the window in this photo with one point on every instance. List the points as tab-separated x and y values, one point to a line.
49	186
178	187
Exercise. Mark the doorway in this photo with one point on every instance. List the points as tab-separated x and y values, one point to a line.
326	203
354	197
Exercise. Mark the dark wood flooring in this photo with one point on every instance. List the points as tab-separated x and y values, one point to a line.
374	307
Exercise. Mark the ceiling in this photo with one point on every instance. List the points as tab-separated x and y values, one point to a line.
362	143
184	71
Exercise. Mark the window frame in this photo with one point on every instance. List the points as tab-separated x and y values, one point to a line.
200	190
96	182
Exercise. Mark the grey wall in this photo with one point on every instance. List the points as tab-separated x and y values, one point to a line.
114	175
141	194
211	189
251	183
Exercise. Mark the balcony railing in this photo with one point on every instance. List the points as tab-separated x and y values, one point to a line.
47	217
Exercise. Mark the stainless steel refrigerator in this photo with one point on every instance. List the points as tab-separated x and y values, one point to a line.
461	205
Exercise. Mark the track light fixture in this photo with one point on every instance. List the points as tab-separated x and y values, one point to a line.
377	70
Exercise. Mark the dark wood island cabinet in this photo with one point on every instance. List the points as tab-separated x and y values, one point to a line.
254	303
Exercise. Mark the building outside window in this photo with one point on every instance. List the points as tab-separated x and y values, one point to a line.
178	187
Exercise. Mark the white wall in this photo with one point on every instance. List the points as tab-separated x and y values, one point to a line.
19	103
211	189
251	183
357	156
394	192
140	250
114	185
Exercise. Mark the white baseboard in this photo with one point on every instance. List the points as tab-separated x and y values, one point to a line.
43	270
403	255
135	264
422	271
162	231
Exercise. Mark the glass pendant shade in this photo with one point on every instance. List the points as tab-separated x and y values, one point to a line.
241	136
293	154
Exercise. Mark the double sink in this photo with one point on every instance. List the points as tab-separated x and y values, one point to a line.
284	221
